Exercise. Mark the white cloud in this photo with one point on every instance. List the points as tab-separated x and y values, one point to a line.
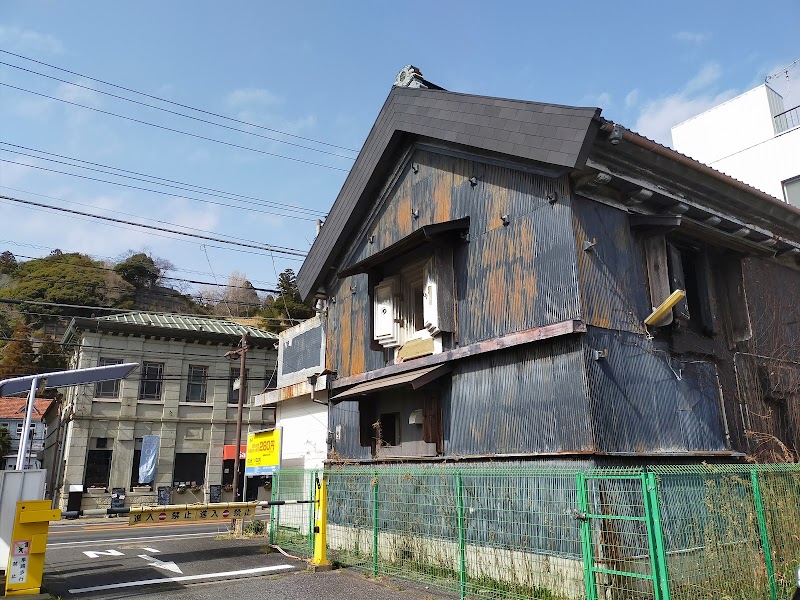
26	40
632	98
708	75
690	37
252	97
657	116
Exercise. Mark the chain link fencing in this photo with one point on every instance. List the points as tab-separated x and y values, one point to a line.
555	533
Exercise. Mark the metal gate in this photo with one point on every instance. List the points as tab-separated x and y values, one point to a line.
622	542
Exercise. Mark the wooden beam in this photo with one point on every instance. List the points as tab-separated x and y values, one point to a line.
508	341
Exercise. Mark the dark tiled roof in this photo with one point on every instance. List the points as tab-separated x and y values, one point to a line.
546	133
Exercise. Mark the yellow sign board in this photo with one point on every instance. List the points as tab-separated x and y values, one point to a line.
186	512
28	543
263	452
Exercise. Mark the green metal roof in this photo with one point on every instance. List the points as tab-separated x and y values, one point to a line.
186	323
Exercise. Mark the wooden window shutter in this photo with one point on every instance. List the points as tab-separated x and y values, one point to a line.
439	292
655	249
432	420
386	326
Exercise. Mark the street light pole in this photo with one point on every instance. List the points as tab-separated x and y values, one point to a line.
242	384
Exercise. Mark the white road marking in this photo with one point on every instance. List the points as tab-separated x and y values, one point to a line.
154	562
137	539
96	553
127	584
151	550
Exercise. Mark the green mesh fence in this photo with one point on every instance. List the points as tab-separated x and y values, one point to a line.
660	533
291	526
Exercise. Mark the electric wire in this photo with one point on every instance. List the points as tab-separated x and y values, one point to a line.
173	130
133	91
50	259
173	112
119	212
189	186
136	187
278	250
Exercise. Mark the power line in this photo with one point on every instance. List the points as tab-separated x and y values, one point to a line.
220	116
119	212
173	112
289	252
107	258
135	187
238	287
173	130
125	311
217	193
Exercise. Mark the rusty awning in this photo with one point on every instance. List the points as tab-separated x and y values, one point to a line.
414	379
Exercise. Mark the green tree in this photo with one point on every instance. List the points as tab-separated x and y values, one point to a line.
66	279
8	263
285	309
5	441
140	270
19	358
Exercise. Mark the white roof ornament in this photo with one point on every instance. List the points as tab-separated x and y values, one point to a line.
410	77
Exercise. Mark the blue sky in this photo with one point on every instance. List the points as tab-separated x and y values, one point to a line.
321	70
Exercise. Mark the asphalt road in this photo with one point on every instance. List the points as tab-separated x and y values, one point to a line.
109	560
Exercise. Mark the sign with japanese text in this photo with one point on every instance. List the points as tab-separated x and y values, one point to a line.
263	452
202	512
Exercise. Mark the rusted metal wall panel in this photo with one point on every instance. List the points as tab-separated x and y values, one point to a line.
508	277
643	400
348	349
611	272
530	399
343	418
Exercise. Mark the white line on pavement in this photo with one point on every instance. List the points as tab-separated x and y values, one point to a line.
150	537
114	586
151	550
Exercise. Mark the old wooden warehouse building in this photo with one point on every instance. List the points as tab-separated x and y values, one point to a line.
485	275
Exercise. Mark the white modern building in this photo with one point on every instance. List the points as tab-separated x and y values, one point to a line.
300	399
178	408
753	137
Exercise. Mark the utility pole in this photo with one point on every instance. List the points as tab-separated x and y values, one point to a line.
242	352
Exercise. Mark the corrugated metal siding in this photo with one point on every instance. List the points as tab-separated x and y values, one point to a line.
515	277
344	420
612	272
548	133
531	399
508	278
643	401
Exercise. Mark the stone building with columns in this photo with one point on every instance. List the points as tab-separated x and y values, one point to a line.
178	408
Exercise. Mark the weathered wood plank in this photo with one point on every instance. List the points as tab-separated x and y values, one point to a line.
507	341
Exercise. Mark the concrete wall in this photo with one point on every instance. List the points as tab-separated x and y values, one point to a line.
305	430
182	426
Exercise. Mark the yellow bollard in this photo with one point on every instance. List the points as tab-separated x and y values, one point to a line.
28	543
320	560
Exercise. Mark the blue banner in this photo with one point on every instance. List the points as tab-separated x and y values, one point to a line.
149	459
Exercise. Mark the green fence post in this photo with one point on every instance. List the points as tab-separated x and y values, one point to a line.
762	528
462	561
586	537
375	546
274	494
313	492
654	523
